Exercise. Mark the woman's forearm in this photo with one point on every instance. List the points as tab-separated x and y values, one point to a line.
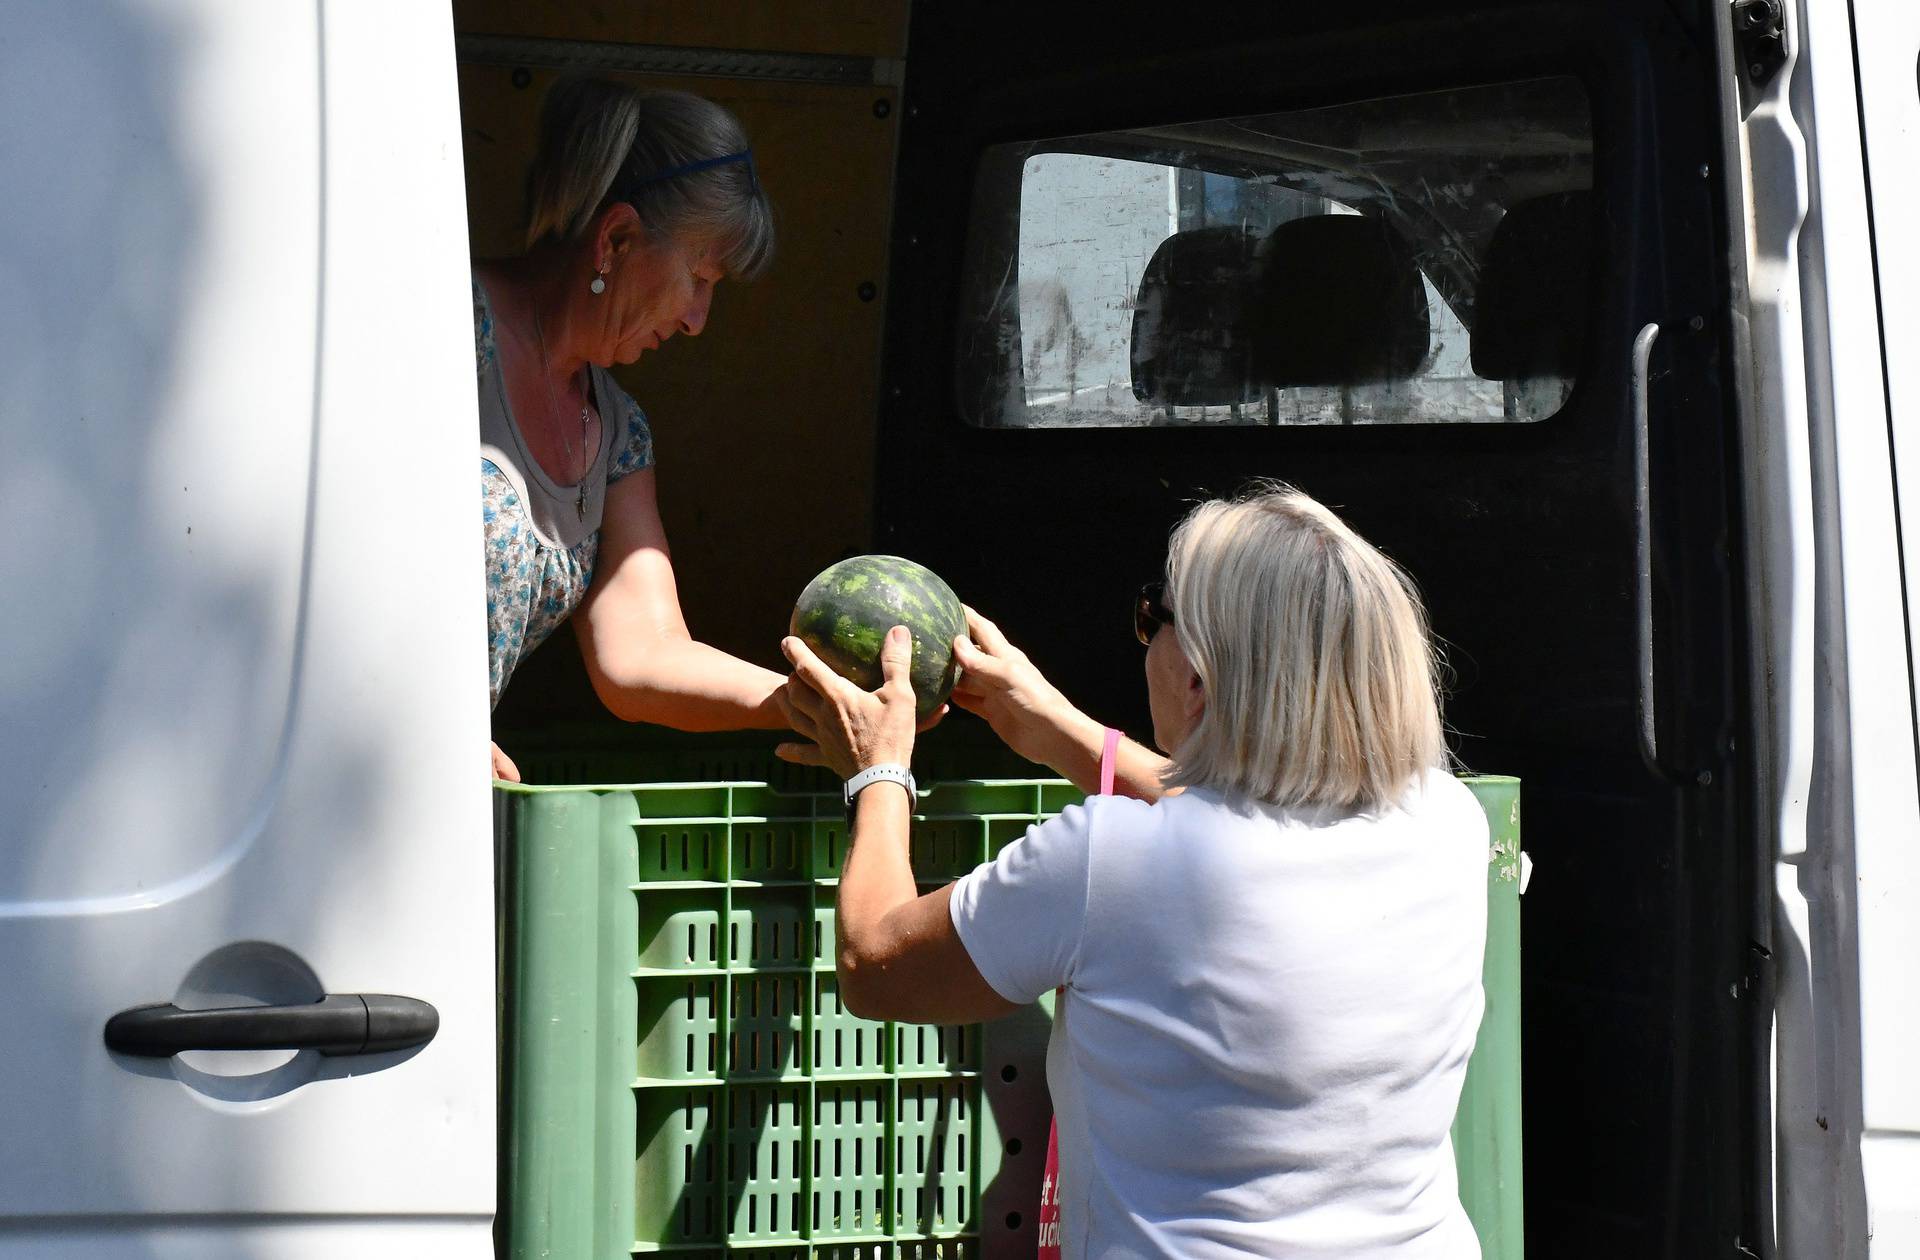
684	684
644	664
1000	684
898	955
876	881
1072	745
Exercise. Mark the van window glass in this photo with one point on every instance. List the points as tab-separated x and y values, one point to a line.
1418	259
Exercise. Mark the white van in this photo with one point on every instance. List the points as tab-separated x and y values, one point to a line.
243	715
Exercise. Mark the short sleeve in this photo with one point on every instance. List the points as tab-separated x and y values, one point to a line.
635	448
1022	915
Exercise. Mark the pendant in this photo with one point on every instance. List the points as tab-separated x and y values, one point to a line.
580	505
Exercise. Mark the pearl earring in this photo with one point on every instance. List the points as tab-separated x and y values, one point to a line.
599	284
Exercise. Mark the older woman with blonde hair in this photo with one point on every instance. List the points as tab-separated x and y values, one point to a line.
640	204
1269	962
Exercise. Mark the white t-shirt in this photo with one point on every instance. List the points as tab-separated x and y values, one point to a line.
1267	1018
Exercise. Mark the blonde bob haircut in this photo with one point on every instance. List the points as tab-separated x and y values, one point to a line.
602	143
1313	651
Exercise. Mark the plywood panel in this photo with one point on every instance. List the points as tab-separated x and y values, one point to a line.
869	28
764	425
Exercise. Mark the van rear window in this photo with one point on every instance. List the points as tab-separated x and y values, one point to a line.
1419	259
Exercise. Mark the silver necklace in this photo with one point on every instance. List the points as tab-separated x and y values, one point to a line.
546	375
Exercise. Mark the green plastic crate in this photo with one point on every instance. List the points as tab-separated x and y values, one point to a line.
587	753
679	1075
1486	1128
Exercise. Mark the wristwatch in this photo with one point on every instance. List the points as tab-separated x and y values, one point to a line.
885	773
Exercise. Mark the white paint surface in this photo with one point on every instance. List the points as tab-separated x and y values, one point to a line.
1886	49
235	249
1835	664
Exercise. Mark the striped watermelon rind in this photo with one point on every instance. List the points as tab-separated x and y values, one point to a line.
844	615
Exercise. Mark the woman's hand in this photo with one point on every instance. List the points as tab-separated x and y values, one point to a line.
851	729
998	683
503	767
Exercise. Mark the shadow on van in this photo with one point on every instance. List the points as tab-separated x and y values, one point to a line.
156	453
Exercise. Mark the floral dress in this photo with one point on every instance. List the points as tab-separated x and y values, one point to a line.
540	541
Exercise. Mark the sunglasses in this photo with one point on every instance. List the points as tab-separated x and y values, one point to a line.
1150	612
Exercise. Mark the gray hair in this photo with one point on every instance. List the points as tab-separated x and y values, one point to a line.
1313	651
602	143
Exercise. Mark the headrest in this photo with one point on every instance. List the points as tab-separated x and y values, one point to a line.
1339	301
1530	313
1190	341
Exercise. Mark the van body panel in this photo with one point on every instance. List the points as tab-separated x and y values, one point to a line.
1873	270
1873	755
1818	1204
249	1238
163	279
258	771
1887	44
1836	665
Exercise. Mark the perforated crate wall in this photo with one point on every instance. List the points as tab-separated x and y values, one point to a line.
680	1075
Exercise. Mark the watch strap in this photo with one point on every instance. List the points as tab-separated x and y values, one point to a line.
883	773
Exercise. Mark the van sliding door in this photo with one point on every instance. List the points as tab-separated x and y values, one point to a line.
242	684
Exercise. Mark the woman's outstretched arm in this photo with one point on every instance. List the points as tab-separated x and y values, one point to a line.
897	954
645	665
1000	684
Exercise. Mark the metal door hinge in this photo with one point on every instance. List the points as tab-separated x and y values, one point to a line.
1760	38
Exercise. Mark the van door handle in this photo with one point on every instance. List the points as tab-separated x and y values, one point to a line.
1643	556
340	1023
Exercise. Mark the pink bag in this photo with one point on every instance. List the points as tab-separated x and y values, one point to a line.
1049	1248
1050	1199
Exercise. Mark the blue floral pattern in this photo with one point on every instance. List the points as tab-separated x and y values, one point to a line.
532	586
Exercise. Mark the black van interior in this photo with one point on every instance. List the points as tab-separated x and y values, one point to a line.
1047	275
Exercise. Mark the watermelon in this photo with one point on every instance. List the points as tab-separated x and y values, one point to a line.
845	613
